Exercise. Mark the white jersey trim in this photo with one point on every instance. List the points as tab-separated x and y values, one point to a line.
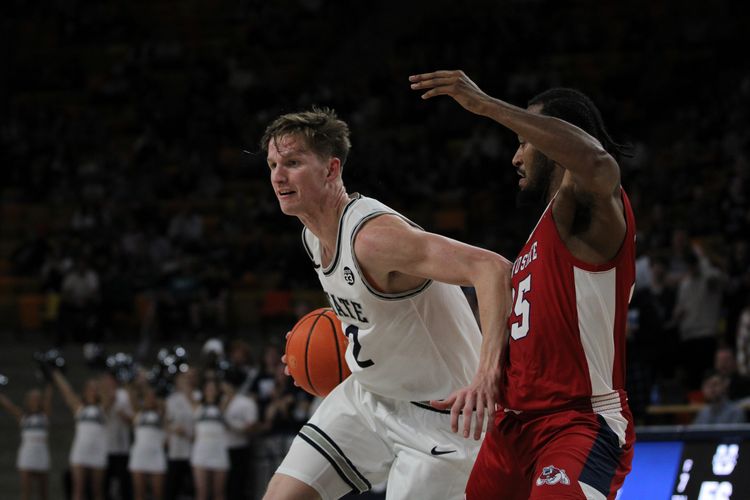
596	305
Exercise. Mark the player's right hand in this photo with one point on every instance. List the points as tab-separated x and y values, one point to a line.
452	83
283	360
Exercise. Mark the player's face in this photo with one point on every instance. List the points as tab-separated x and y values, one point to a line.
298	175
535	170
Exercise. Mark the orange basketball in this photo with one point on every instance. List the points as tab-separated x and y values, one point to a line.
315	351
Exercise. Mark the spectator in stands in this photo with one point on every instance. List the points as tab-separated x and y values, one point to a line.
179	416
263	386
241	417
213	298
743	340
718	409
186	227
725	363
79	297
241	357
118	418
696	314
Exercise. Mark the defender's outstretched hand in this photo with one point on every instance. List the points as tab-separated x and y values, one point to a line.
453	83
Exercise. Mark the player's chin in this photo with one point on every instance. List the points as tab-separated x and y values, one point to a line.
287	208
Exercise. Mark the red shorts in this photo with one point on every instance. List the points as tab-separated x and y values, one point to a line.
566	454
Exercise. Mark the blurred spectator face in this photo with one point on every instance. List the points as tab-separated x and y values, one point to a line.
658	270
239	353
182	382
715	388
150	401
210	392
679	239
725	362
108	382
91	392
298	176
33	401
271	357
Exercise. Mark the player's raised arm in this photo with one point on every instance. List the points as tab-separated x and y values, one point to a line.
592	168
389	249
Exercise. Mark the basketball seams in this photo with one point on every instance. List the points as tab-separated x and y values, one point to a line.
307	351
336	344
320	373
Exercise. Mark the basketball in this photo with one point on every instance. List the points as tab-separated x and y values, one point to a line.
315	351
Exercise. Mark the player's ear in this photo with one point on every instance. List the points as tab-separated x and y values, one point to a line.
334	168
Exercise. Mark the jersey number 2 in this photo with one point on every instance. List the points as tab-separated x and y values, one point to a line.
521	308
353	332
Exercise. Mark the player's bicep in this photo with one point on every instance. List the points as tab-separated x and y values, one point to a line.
598	176
408	250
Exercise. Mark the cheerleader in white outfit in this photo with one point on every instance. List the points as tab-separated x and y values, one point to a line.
148	461
33	454
209	457
88	454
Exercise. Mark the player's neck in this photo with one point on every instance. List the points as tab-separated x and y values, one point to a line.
324	222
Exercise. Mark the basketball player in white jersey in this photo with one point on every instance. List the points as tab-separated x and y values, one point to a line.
412	335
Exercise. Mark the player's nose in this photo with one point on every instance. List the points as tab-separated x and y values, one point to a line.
517	160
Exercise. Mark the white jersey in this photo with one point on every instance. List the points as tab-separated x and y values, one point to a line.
416	345
33	454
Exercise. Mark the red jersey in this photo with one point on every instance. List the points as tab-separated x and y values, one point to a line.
567	324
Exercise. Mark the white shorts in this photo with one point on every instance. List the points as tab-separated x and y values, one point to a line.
356	439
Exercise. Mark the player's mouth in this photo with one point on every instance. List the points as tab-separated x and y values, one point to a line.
285	193
522	181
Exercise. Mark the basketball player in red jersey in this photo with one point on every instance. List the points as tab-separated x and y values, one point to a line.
563	428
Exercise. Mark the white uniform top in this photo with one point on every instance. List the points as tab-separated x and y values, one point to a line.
147	453
33	454
240	412
118	430
416	345
210	446
90	441
179	412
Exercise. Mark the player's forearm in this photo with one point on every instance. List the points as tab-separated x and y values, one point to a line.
564	143
494	298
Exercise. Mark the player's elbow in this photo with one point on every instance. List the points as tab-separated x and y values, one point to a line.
497	266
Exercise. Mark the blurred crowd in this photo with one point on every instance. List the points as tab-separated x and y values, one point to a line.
217	423
128	126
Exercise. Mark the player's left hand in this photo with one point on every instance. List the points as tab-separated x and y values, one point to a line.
479	397
453	83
